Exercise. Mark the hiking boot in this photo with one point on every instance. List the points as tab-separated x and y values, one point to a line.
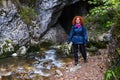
76	63
85	61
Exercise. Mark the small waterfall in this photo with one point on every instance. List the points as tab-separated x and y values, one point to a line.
43	66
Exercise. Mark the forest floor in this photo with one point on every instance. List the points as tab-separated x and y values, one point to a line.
94	69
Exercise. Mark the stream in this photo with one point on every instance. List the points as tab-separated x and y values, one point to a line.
35	66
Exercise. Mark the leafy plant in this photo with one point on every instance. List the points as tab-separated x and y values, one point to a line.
113	73
109	75
103	14
28	14
117	71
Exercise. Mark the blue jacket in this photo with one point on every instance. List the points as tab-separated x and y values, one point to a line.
78	35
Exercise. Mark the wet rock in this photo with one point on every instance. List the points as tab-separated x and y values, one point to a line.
11	26
6	47
59	73
49	12
22	51
14	55
104	37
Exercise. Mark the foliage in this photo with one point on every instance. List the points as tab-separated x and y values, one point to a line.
113	74
7	48
65	49
116	29
116	35
28	14
109	75
117	71
104	15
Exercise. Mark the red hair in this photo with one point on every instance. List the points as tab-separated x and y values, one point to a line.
74	20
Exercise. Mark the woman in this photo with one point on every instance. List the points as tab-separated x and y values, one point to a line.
78	35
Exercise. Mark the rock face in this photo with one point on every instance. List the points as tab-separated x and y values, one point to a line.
114	43
13	28
49	12
56	34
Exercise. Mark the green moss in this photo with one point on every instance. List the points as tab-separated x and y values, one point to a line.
28	14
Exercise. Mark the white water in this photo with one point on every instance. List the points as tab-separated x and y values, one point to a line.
47	63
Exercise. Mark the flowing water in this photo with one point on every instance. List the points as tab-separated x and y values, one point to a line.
34	66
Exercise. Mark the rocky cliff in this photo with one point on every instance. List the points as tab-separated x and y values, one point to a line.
14	28
18	27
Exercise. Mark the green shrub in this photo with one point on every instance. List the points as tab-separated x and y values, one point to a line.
28	14
113	74
103	16
110	75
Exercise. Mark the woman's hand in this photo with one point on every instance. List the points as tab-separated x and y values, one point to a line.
70	45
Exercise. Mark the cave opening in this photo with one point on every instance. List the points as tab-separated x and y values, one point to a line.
80	8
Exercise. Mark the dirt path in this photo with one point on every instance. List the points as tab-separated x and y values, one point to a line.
93	70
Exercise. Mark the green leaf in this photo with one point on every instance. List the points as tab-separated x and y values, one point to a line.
118	51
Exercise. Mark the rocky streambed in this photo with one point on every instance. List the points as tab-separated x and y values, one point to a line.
34	66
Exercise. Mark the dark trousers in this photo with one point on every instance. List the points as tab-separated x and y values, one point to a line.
82	50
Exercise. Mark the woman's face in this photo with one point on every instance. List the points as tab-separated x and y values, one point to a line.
77	20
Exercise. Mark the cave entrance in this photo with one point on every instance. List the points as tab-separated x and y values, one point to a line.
79	8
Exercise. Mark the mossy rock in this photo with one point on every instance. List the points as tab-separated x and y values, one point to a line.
28	14
9	53
99	45
40	47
